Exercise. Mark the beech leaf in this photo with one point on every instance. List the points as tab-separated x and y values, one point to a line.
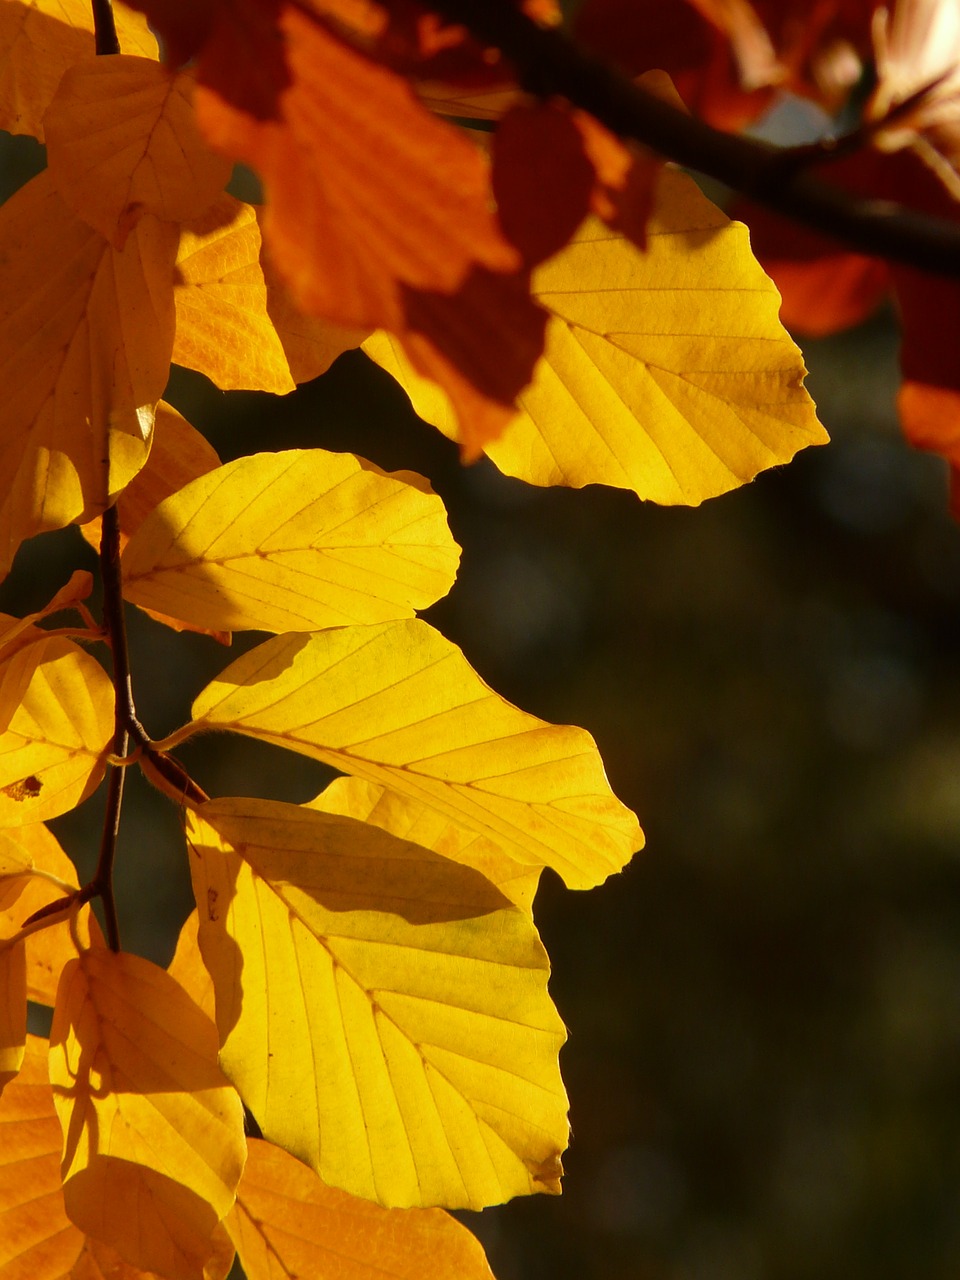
406	711
41	39
85	340
13	1010
53	751
410	820
122	141
293	541
153	1134
37	1239
48	950
666	371
382	1010
287	1222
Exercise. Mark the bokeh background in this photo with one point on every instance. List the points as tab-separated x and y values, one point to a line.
764	1008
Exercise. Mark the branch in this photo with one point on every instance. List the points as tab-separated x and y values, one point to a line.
104	26
548	64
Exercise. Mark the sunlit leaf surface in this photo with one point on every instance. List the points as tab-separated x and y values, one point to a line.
382	1010
293	541
406	711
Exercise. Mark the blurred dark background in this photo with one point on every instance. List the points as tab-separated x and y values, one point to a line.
764	1009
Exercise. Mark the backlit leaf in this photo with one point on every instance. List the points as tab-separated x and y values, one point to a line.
287	1223
153	1134
666	372
85	340
13	1010
188	969
293	541
223	326
37	1240
348	220
399	705
53	752
382	1010
410	820
122	141
41	39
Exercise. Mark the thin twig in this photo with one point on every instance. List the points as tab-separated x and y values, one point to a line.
124	715
549	64
104	27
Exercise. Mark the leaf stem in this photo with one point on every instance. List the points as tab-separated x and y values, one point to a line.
104	26
548	63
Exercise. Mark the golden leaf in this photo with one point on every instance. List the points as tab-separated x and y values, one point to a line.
287	1222
41	39
37	1240
406	711
85	340
123	141
666	372
235	320
382	1010
53	751
13	1010
153	1134
409	820
293	541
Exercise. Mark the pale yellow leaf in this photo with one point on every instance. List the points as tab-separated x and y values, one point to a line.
53	752
37	1240
40	39
85	340
410	820
122	141
153	1133
288	1223
48	950
292	541
399	705
666	371
382	1010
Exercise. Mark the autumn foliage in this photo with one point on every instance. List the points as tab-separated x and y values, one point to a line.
362	985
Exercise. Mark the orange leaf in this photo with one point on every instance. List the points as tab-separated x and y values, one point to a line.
153	1134
41	39
349	220
287	1223
13	1010
85	340
49	949
122	141
37	1240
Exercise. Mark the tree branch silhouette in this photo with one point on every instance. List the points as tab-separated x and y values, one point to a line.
549	64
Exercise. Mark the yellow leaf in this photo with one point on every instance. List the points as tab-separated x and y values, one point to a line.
153	1134
49	949
178	454
409	820
188	969
235	320
293	541
13	1010
53	752
382	1010
37	1240
288	1223
399	705
76	589
40	40
85	340
15	867
666	371
122	141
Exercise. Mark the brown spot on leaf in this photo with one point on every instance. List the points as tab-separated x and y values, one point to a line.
212	912
26	789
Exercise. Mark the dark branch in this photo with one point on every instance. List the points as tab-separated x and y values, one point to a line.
104	26
548	63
